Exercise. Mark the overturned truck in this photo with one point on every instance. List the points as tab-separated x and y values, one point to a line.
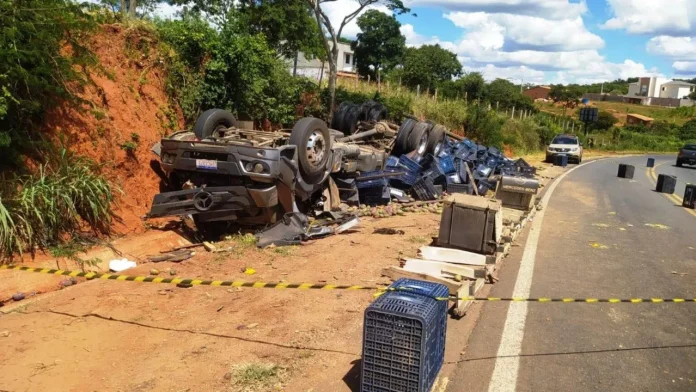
220	173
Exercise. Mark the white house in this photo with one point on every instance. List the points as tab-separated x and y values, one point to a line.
677	89
646	87
313	68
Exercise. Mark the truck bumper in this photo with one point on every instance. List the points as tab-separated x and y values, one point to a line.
214	203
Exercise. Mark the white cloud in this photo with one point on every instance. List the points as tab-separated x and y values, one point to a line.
684	67
519	47
529	32
675	47
337	10
668	17
548	9
166	11
519	74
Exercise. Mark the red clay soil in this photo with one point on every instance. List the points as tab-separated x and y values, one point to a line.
131	336
126	102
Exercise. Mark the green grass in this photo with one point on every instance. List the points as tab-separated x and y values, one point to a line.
416	239
62	196
256	376
619	109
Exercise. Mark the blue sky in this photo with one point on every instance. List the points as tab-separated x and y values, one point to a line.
554	41
549	41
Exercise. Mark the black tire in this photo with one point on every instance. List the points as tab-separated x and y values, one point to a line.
401	142
211	120
418	139
436	140
679	163
373	111
311	136
351	119
337	119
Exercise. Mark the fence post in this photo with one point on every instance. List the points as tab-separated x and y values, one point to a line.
435	95
496	106
513	112
418	91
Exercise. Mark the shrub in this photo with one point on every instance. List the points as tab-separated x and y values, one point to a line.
61	197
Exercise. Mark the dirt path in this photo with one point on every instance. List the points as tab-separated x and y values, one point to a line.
153	337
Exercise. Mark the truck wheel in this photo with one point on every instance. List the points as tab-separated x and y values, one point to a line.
337	119
313	141
373	111
418	139
211	121
401	143
350	119
436	140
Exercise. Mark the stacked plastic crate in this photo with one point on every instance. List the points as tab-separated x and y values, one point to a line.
404	337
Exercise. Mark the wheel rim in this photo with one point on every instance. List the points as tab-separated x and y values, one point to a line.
438	148
423	144
316	147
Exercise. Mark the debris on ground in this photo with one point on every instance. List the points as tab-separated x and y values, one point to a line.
209	246
174	256
295	228
249	271
388	231
154	271
597	245
5	334
18	296
119	265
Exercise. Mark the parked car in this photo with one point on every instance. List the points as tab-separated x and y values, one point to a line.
687	155
565	145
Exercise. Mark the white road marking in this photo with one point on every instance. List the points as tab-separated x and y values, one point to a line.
504	378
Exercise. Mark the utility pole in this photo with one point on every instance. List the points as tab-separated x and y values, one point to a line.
602	91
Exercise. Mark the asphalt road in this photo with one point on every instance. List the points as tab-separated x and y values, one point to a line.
599	237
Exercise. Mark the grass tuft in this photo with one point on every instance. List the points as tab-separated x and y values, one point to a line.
58	199
256	376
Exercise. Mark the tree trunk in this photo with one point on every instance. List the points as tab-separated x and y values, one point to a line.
131	8
333	75
294	67
123	7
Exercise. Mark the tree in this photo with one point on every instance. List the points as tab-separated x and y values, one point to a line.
429	66
327	28
692	96
34	73
380	45
605	120
505	94
288	25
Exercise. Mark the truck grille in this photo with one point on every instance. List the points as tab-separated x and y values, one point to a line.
213	156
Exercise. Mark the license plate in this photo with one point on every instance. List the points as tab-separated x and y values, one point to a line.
206	164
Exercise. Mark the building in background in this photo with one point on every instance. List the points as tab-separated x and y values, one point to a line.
538	92
677	89
315	69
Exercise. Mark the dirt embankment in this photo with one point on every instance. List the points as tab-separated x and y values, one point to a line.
125	110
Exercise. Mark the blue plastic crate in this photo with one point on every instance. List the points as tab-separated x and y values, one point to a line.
372	183
405	180
392	161
561	160
453	179
404	338
376	196
424	189
410	164
446	164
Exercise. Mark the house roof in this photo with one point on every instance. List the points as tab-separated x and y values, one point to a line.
680	83
544	87
640	117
